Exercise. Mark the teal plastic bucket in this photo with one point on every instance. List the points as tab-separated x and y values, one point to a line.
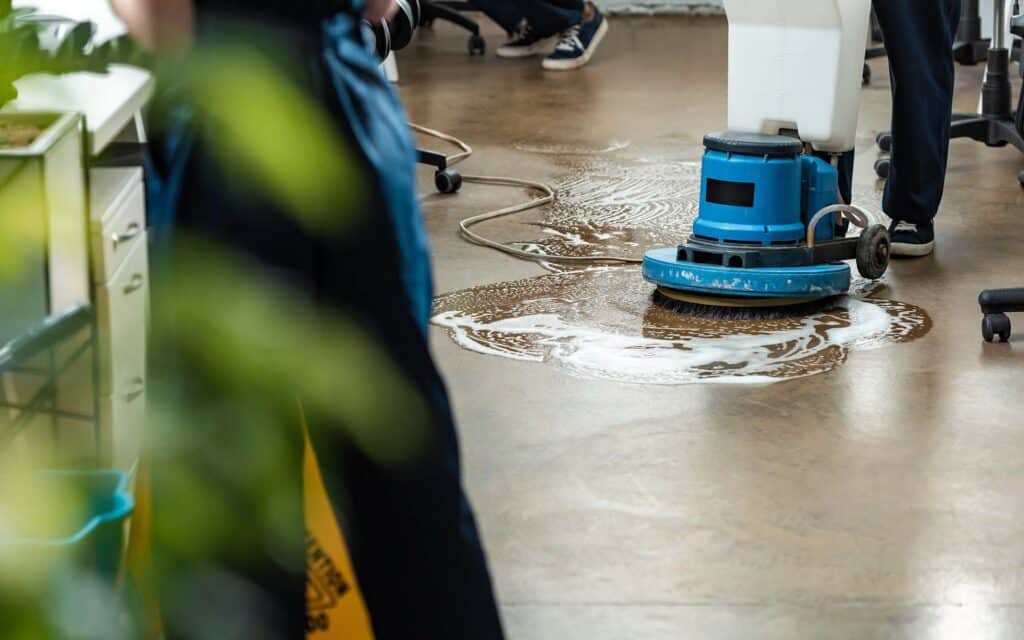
87	528
62	544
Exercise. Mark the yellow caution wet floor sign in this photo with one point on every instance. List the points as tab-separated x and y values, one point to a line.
334	605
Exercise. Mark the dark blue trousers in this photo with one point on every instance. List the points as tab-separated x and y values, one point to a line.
547	17
919	37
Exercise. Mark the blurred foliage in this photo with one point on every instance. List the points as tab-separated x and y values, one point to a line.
22	51
238	349
267	131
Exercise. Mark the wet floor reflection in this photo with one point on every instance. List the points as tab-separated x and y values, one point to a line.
570	149
603	324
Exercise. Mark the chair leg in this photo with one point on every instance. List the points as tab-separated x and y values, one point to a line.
433	11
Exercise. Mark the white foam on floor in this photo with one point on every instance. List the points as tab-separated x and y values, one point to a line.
596	352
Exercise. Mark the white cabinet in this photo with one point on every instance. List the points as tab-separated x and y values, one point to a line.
121	296
117	265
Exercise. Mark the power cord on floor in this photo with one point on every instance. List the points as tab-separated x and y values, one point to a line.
547	197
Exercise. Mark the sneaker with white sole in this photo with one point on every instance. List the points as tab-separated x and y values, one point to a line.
911	240
578	44
525	43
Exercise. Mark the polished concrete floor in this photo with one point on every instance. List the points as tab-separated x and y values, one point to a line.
879	500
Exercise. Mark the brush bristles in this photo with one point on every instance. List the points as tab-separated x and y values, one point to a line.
744	313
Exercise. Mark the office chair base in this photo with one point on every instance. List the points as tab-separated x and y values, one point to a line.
884	141
450	12
996	325
872	52
992	131
477	45
446	180
971	52
995	304
970	48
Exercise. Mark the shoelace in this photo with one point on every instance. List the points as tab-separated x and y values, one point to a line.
570	40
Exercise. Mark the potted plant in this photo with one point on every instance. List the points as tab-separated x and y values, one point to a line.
43	208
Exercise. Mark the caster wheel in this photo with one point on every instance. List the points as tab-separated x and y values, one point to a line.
477	45
866	75
882	167
995	325
873	252
1020	179
448	181
884	141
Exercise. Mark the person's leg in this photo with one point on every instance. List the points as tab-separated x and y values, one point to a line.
540	21
413	537
506	14
550	17
919	37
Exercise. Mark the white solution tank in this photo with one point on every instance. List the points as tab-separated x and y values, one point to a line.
797	65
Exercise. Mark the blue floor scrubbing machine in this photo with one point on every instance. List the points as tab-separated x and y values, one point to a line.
772	225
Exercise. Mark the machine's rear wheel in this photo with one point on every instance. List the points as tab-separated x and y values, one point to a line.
873	252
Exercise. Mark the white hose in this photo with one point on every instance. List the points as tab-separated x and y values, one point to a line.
547	196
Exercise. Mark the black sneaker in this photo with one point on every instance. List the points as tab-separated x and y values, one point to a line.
525	43
911	240
577	44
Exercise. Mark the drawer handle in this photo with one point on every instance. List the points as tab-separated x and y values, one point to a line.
138	387
135	283
130	233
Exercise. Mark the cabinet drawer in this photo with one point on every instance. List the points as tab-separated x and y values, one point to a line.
114	237
122	314
122	423
108	187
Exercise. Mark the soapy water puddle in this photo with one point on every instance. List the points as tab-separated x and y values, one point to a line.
603	324
617	209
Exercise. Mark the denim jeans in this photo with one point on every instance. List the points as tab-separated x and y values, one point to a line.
547	17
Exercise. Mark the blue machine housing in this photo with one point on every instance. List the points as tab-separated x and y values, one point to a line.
763	199
756	190
819	188
815	281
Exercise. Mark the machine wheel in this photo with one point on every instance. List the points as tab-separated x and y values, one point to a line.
884	141
995	325
866	75
448	181
882	167
477	45
873	252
